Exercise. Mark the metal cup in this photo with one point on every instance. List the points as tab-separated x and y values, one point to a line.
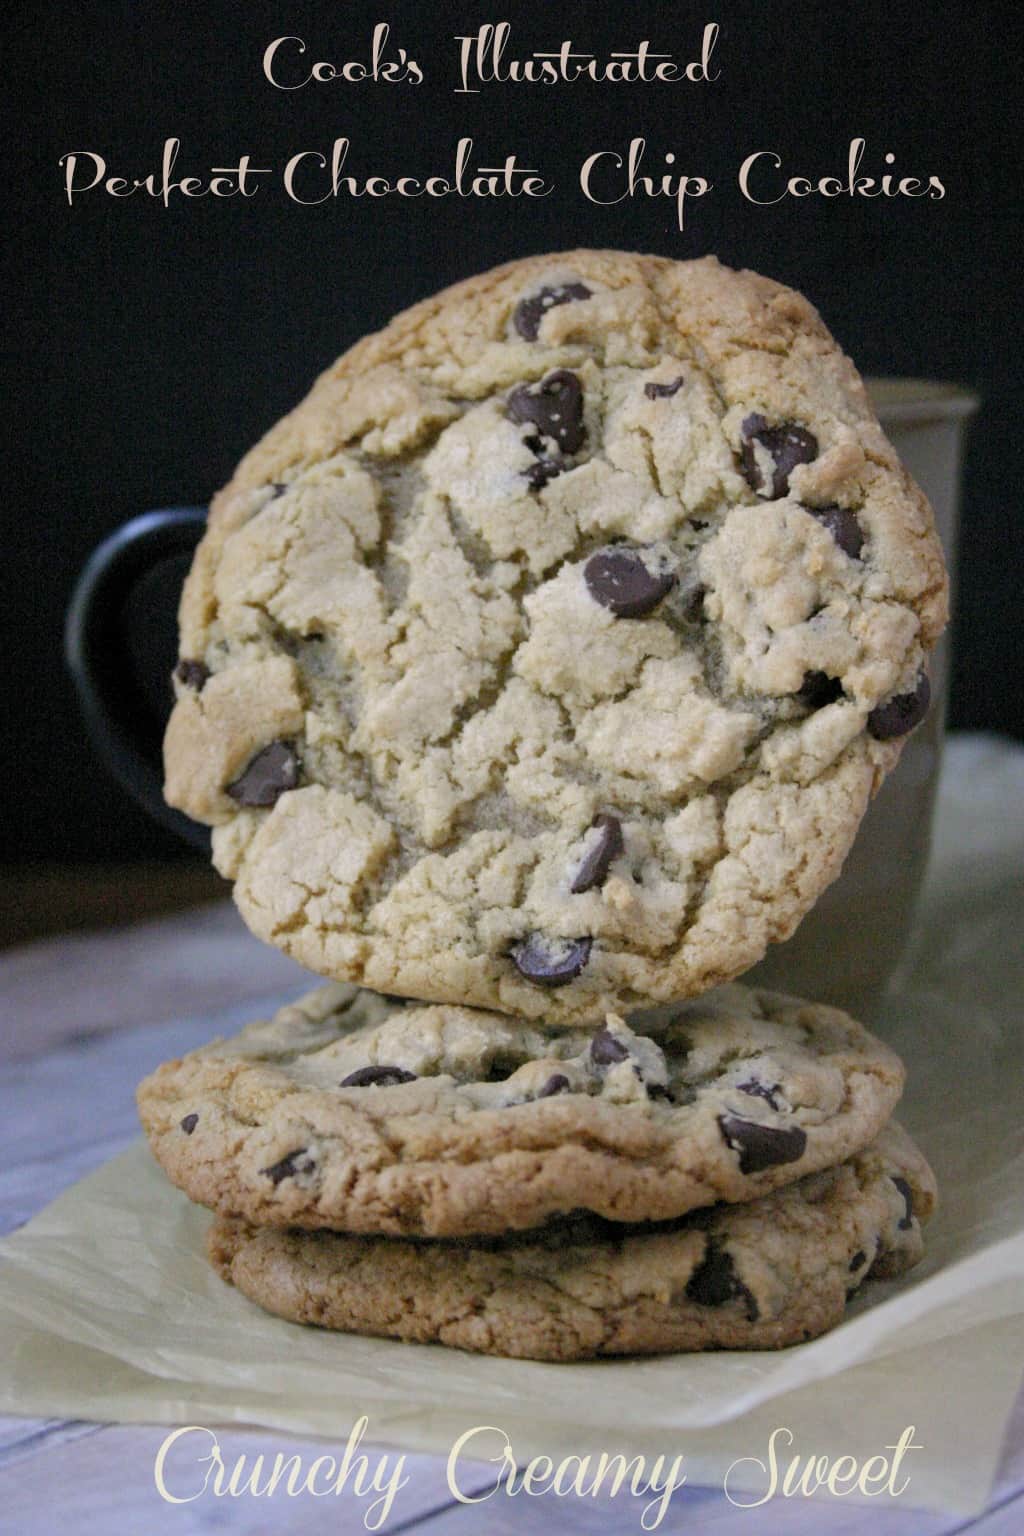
849	948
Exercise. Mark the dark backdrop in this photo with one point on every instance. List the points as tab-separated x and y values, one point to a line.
151	346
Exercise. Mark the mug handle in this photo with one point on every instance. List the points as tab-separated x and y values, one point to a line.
120	721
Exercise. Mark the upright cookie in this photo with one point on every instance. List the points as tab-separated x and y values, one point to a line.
347	1111
757	1276
545	658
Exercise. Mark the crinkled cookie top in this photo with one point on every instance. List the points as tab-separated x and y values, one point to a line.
546	656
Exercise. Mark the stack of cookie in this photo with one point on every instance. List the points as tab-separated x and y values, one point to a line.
536	674
723	1173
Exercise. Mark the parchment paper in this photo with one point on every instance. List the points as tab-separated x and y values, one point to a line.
109	1310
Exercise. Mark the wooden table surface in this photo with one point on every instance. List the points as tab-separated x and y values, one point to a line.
66	1106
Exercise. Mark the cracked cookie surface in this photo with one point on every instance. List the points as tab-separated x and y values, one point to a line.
759	1276
594	562
348	1110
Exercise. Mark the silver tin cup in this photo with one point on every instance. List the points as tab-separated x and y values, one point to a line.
849	948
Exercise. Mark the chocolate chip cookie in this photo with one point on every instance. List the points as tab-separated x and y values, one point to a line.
350	1111
546	656
757	1276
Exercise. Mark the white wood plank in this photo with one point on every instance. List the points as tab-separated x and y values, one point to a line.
1010	1476
28	1437
76	985
70	1109
690	1509
104	1485
24	1190
1007	1520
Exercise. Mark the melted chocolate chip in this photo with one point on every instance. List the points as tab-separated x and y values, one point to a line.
267	775
556	1083
702	1219
377	1077
189	1124
529	313
761	1090
606	1050
899	715
788	445
842	524
658	1091
501	1066
715	1282
663	391
541	472
550	962
620	580
606	847
296	1162
194	674
689	601
858	1259
762	1146
906	1221
818	689
554	406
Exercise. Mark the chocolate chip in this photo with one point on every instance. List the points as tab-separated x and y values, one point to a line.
620	580
906	1221
901	713
606	1050
663	391
529	313
550	962
541	472
761	1090
658	1091
296	1162
554	406
762	1146
715	1282
267	775
501	1066
788	445
189	1124
702	1219
858	1259
377	1077
606	847
842	524
818	689
278	487
194	674
689	601
556	1083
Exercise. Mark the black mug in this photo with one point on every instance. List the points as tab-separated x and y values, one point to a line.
120	643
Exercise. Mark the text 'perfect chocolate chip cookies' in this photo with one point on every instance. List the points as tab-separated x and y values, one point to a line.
723	1173
545	658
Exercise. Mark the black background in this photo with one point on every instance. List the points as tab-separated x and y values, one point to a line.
151	346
